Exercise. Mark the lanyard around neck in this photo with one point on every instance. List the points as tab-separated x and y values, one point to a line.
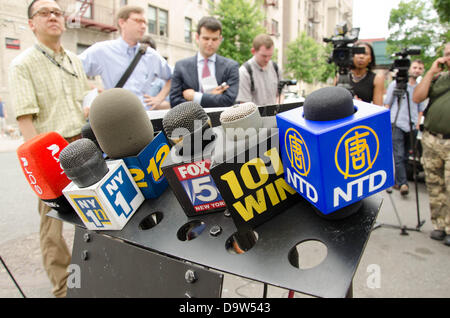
56	63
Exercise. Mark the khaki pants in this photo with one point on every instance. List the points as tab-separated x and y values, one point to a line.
55	253
436	159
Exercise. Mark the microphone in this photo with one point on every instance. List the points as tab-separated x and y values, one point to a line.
104	195
188	128
246	167
87	132
124	131
39	160
336	151
83	163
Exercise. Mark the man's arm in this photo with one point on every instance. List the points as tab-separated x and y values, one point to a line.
422	89
26	127
228	97
176	86
158	101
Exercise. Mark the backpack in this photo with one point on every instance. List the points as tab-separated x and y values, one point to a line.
250	72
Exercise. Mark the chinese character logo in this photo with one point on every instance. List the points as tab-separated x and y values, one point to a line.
357	151
297	152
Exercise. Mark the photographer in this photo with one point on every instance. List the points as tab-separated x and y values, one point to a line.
367	86
436	143
400	120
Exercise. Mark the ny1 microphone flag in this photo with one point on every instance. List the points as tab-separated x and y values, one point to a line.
335	163
108	204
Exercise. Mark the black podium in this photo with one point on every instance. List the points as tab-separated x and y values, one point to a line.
149	258
163	253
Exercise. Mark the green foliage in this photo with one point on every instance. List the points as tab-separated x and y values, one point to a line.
307	60
414	23
443	9
241	22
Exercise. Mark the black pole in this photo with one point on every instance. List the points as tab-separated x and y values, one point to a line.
12	277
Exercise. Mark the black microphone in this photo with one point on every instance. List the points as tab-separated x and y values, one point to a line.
188	128
123	130
103	194
83	162
87	132
246	167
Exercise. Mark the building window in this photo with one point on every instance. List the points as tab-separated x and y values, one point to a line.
83	9
151	18
158	21
187	30
163	23
123	3
274	27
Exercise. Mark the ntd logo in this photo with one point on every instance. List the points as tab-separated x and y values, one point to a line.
297	152
356	151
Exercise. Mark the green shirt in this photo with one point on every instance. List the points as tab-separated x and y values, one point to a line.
437	117
40	88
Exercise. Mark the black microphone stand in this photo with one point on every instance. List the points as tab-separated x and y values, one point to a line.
400	90
12	277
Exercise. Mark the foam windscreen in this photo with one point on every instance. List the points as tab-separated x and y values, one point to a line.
120	123
83	163
242	117
328	103
184	116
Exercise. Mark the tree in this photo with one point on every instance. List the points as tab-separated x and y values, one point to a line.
415	23
443	9
241	22
307	60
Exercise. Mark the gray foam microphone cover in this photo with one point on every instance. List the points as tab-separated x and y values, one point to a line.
120	123
328	103
183	117
241	120
83	162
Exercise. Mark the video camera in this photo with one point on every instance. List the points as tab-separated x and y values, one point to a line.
343	52
402	65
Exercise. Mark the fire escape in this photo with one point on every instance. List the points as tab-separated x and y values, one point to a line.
91	22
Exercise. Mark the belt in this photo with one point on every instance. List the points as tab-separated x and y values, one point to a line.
442	136
72	139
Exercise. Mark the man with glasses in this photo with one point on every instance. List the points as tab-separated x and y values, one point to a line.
110	59
47	85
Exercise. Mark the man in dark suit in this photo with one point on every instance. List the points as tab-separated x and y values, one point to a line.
206	78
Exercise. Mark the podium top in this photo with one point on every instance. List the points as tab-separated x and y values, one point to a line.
159	223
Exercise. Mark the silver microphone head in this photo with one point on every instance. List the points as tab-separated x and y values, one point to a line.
241	121
83	162
184	120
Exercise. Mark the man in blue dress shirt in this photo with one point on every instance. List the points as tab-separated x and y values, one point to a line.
110	59
400	120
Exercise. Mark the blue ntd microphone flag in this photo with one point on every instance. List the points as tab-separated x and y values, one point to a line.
334	163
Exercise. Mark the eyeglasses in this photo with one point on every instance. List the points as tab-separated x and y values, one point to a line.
45	13
139	21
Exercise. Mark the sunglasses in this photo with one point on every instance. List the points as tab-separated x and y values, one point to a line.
45	13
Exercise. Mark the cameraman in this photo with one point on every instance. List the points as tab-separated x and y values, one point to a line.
400	120
366	85
436	143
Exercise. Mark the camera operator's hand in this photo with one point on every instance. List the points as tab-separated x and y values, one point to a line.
422	89
436	67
